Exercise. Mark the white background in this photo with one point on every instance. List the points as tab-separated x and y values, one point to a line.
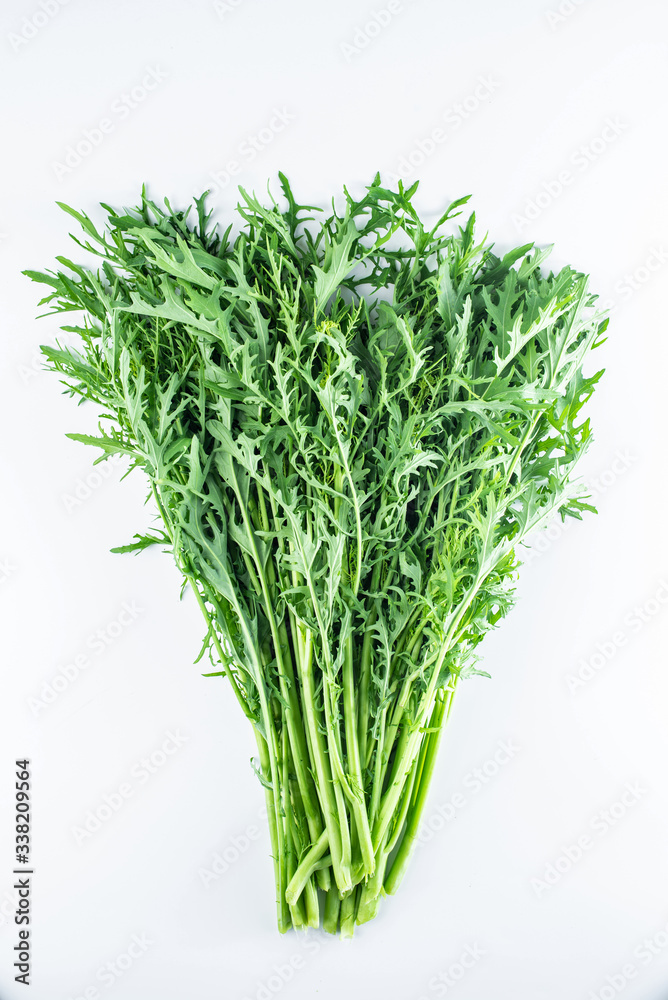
521	94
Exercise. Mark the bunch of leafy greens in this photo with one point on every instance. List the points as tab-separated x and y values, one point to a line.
348	425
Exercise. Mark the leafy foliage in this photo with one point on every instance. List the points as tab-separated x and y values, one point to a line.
347	429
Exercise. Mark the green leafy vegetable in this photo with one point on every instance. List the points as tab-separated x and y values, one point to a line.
348	426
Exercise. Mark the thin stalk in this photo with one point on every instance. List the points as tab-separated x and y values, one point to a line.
397	758
400	815
306	867
364	685
294	639
378	769
330	920
353	753
365	671
321	762
348	908
403	765
286	675
275	834
311	903
354	500
437	723
295	905
224	659
342	869
390	733
374	888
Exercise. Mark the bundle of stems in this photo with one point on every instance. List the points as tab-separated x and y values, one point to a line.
348	424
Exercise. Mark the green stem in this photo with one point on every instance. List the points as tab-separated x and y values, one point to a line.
321	762
283	911
295	905
306	867
330	920
312	903
353	754
394	832
437	723
374	888
371	892
364	684
404	762
348	908
285	671
365	670
295	645
339	840
378	769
